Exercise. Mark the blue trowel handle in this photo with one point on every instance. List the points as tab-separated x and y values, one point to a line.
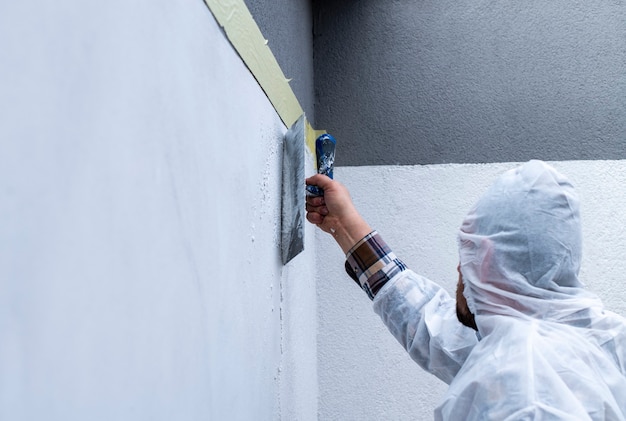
325	155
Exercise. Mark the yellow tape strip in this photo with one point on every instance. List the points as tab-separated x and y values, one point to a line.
311	135
246	37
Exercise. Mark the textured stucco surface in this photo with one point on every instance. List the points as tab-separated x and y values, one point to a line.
422	82
140	176
363	372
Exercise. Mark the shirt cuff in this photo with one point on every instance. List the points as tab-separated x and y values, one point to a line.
371	263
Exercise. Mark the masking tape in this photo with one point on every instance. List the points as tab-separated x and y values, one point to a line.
312	134
247	39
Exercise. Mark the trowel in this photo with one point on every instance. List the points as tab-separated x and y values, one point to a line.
293	192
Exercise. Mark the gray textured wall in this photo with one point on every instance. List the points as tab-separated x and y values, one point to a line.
288	26
435	81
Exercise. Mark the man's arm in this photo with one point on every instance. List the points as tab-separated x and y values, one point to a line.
419	313
335	213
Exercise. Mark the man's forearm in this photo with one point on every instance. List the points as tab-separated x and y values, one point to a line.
350	231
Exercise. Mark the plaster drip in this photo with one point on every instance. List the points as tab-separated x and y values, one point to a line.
282	341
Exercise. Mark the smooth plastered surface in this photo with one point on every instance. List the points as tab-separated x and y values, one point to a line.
140	270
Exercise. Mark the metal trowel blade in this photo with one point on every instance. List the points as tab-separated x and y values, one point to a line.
293	191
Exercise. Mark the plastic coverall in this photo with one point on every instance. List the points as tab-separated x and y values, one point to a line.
548	349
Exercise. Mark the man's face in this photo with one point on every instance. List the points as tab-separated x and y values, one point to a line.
462	310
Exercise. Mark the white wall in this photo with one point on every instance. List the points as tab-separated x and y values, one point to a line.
140	275
364	373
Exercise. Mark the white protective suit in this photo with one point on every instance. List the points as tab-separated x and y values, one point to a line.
548	348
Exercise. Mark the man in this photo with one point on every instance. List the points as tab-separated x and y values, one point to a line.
525	340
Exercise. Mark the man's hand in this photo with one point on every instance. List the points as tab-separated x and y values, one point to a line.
335	213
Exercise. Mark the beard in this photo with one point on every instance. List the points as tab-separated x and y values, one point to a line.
463	312
465	316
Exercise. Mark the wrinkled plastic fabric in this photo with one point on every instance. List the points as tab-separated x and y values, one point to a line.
548	349
422	317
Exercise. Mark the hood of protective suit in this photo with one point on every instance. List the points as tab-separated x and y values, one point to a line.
520	249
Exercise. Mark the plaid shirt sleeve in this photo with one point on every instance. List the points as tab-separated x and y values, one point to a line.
371	263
